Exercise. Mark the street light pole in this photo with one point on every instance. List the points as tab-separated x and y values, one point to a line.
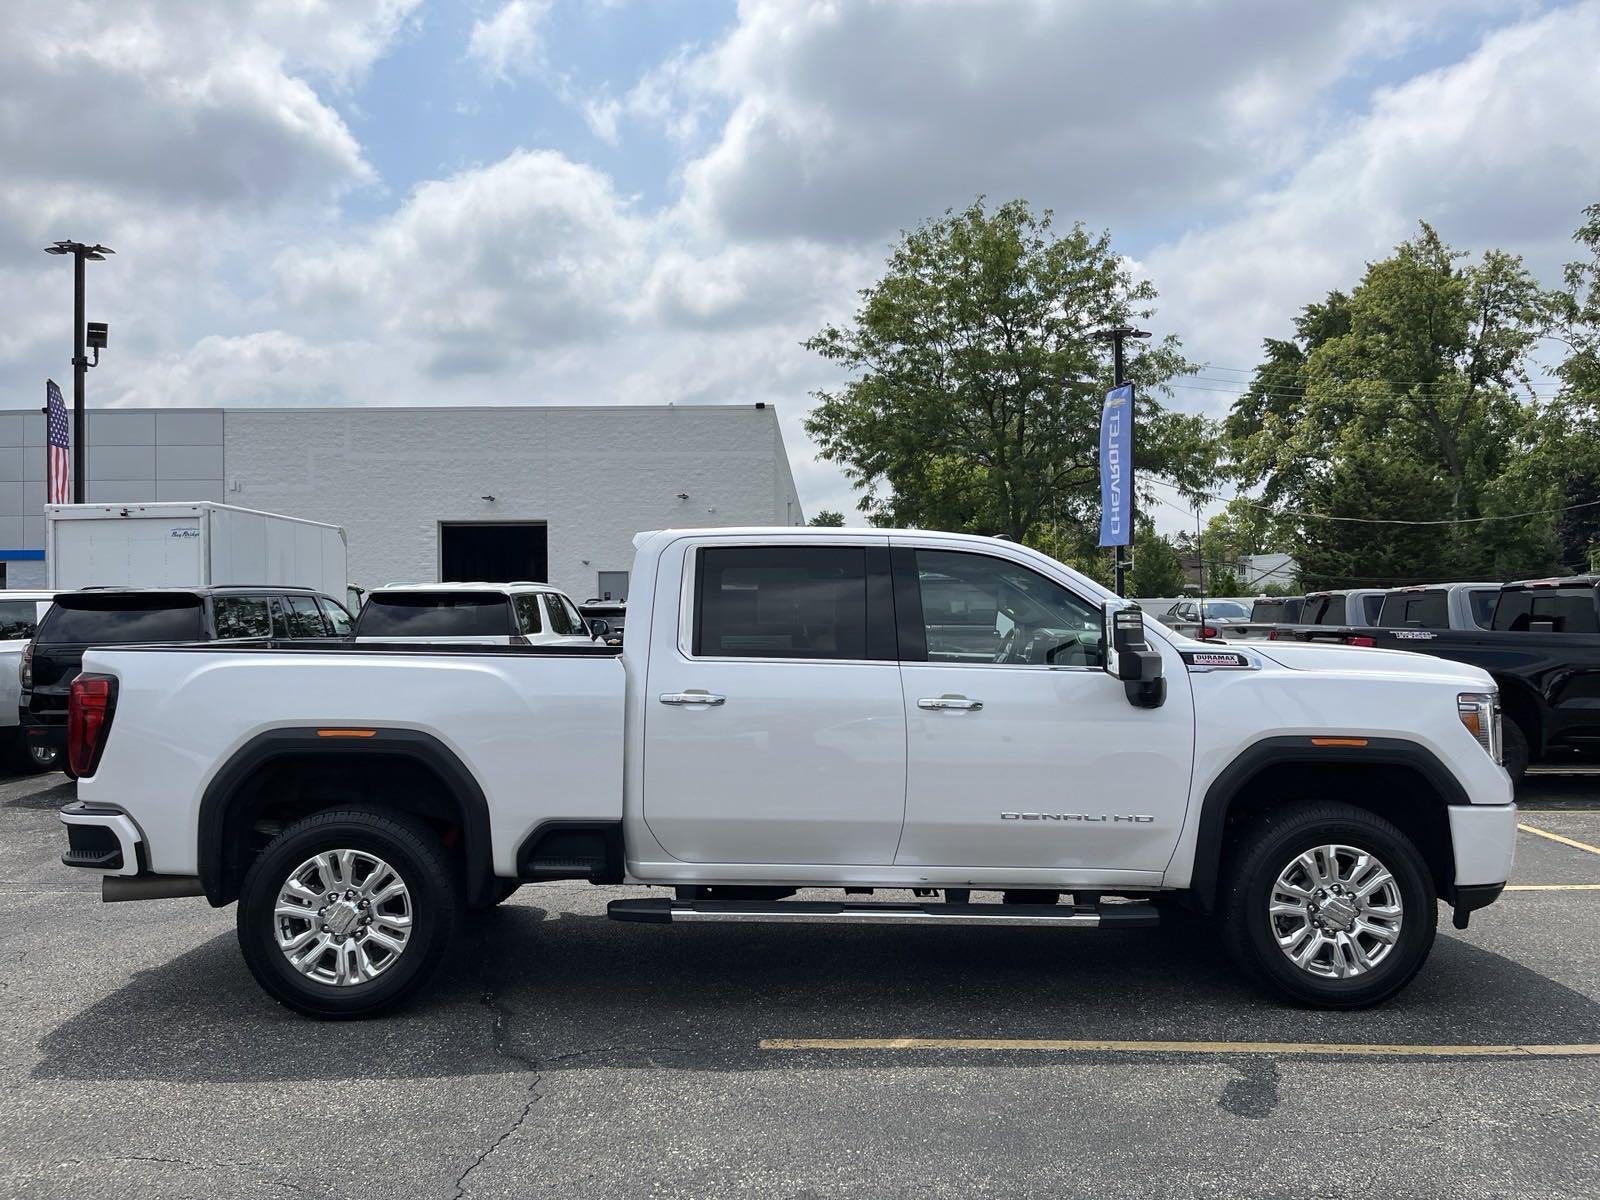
1116	335
80	362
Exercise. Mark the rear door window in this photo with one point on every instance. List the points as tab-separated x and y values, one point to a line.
112	619
564	618
435	614
528	616
241	617
304	618
781	602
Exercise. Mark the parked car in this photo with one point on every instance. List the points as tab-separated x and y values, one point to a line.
1440	606
20	614
606	619
143	616
1354	608
484	614
1543	652
790	713
1205	618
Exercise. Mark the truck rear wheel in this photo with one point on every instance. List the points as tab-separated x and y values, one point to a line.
347	913
1328	905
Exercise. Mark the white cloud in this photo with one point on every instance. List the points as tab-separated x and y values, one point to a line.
508	42
852	120
1497	150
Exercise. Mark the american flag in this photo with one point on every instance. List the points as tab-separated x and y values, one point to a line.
59	488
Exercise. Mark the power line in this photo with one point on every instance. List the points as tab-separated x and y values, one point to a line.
1288	512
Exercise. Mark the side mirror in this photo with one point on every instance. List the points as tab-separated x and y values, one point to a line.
1128	656
599	627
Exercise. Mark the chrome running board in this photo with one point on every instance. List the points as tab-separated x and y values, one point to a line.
808	912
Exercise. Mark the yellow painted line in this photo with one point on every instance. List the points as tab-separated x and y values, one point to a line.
1579	1050
1556	837
1553	887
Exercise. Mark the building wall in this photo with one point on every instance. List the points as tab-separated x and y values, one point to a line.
595	476
134	455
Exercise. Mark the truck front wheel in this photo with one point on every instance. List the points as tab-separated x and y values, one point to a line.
1328	904
347	913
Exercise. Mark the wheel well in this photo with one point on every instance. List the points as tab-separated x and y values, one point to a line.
283	782
1519	705
1399	793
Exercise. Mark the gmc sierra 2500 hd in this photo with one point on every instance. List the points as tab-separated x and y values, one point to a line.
846	709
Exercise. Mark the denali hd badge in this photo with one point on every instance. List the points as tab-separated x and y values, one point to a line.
1114	818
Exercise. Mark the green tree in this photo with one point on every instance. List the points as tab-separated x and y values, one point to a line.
1157	570
975	385
1406	399
827	518
1222	582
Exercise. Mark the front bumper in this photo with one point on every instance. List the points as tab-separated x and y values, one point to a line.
101	839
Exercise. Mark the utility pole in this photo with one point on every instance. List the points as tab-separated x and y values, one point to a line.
1116	335
80	363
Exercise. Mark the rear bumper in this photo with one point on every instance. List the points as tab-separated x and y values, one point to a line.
1484	837
101	839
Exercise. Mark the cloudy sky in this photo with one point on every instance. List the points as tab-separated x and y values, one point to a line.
642	201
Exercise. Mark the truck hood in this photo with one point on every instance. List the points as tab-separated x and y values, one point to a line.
1366	660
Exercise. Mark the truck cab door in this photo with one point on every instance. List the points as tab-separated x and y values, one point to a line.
1022	751
774	730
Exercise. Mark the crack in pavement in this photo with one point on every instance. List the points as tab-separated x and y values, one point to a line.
502	1021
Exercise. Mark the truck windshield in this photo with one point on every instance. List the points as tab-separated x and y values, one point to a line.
435	614
1323	610
123	618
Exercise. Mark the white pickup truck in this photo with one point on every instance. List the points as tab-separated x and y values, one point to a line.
951	716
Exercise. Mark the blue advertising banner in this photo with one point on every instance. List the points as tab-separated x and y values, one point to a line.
1116	466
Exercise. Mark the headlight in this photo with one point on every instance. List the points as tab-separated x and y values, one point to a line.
1480	713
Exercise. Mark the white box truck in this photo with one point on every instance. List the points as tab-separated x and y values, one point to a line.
189	545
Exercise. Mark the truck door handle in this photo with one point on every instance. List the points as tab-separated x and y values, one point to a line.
708	699
937	702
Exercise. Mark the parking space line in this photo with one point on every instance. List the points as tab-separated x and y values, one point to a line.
1348	1049
1556	837
1553	887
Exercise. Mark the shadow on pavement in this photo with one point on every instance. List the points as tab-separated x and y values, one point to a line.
54	797
579	991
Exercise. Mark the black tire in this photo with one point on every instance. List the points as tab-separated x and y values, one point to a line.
31	758
1514	751
403	842
1267	846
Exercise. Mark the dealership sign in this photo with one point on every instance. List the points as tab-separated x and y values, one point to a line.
1116	466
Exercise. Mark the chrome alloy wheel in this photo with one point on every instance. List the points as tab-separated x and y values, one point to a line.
343	917
1336	911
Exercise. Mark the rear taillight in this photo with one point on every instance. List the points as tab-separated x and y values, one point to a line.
1360	640
91	702
25	670
1277	635
1208	631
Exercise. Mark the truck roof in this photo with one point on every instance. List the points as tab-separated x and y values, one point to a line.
477	585
1556	581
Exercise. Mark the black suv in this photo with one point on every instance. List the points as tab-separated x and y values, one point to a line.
143	616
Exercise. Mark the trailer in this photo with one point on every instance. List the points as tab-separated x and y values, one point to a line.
198	544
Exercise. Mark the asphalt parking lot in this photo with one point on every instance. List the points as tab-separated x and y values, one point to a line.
566	1055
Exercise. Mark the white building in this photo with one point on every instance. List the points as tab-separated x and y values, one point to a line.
1257	571
544	493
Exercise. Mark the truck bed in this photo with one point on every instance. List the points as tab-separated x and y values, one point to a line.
538	729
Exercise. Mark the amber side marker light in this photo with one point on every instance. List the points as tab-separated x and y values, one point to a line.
1338	741
355	733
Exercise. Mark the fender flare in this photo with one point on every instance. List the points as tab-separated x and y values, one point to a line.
471	804
1277	751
